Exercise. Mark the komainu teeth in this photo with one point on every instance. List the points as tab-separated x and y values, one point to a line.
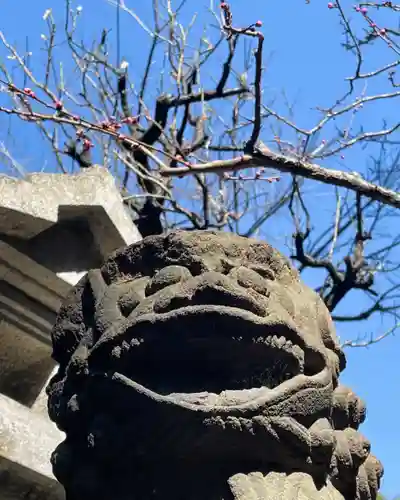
298	351
281	342
237	339
260	340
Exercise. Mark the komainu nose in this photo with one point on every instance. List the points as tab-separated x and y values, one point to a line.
213	289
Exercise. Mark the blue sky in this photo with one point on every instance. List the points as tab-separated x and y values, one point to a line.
304	58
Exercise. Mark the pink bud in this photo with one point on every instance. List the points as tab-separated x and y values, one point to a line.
29	92
383	31
130	120
87	144
331	5
364	10
259	24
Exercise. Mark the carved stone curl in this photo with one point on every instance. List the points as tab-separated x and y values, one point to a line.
196	365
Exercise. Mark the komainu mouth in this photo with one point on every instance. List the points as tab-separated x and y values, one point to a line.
206	345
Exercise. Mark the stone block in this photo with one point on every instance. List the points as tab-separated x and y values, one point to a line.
30	206
26	442
30	296
53	229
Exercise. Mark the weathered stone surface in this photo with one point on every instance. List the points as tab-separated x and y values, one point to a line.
25	443
280	486
30	206
194	365
53	228
30	297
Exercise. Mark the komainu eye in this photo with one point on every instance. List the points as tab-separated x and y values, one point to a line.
128	302
165	277
132	293
248	278
264	271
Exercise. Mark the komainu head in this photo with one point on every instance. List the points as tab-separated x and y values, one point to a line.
203	346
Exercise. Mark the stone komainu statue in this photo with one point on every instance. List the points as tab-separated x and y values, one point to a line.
197	366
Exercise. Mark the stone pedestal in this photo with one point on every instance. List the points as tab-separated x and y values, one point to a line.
53	229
